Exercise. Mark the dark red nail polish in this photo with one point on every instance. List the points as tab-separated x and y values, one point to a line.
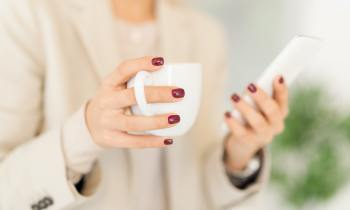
168	142
252	88
281	80
235	98
178	93
159	61
173	119
228	115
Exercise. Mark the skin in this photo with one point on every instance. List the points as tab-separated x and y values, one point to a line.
245	141
136	11
108	124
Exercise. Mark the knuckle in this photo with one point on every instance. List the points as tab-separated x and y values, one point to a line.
107	136
137	144
104	120
240	133
123	69
262	98
102	102
131	96
139	63
162	93
158	123
130	125
153	143
272	110
260	123
245	110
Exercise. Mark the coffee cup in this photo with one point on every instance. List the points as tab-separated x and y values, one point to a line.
187	76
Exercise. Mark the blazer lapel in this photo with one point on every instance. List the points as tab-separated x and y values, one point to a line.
176	46
93	21
175	33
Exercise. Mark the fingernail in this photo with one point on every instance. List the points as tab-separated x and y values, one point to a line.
281	80
173	119
228	115
252	88
159	61
178	93
168	142
236	98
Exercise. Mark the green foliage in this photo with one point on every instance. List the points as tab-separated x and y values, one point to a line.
310	160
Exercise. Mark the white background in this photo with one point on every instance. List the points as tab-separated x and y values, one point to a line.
259	29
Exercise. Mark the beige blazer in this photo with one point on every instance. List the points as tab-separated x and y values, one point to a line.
53	56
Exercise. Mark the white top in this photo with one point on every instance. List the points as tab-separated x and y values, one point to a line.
135	40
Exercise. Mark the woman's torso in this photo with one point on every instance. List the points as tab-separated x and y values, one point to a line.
79	47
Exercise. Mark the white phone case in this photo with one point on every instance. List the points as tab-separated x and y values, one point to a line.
289	63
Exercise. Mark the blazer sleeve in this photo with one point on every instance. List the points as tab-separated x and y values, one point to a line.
222	193
32	166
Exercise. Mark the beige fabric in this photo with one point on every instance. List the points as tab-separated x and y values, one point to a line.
53	56
79	149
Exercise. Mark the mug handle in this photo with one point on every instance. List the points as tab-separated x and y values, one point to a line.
139	90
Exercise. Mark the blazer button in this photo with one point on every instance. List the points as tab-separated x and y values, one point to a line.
35	207
42	204
48	201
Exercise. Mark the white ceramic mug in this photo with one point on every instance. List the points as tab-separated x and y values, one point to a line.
187	76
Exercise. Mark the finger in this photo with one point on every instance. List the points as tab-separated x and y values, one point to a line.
130	68
238	130
123	98
125	140
281	95
268	106
254	118
121	122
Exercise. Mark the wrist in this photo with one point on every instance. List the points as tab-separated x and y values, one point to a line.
91	118
237	164
238	154
79	149
251	167
242	179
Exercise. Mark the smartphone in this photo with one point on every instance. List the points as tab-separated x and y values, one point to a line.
289	63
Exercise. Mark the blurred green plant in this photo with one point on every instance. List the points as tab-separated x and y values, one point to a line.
310	160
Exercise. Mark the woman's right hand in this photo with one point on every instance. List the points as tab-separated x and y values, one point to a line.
105	118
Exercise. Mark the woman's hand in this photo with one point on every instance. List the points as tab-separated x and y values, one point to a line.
107	123
245	141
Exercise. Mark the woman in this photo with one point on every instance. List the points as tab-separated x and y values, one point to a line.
64	116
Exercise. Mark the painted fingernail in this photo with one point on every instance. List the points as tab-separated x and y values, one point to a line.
252	88
168	142
173	119
159	61
228	115
178	93
236	98
281	80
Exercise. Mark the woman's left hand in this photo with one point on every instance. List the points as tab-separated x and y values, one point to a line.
245	141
